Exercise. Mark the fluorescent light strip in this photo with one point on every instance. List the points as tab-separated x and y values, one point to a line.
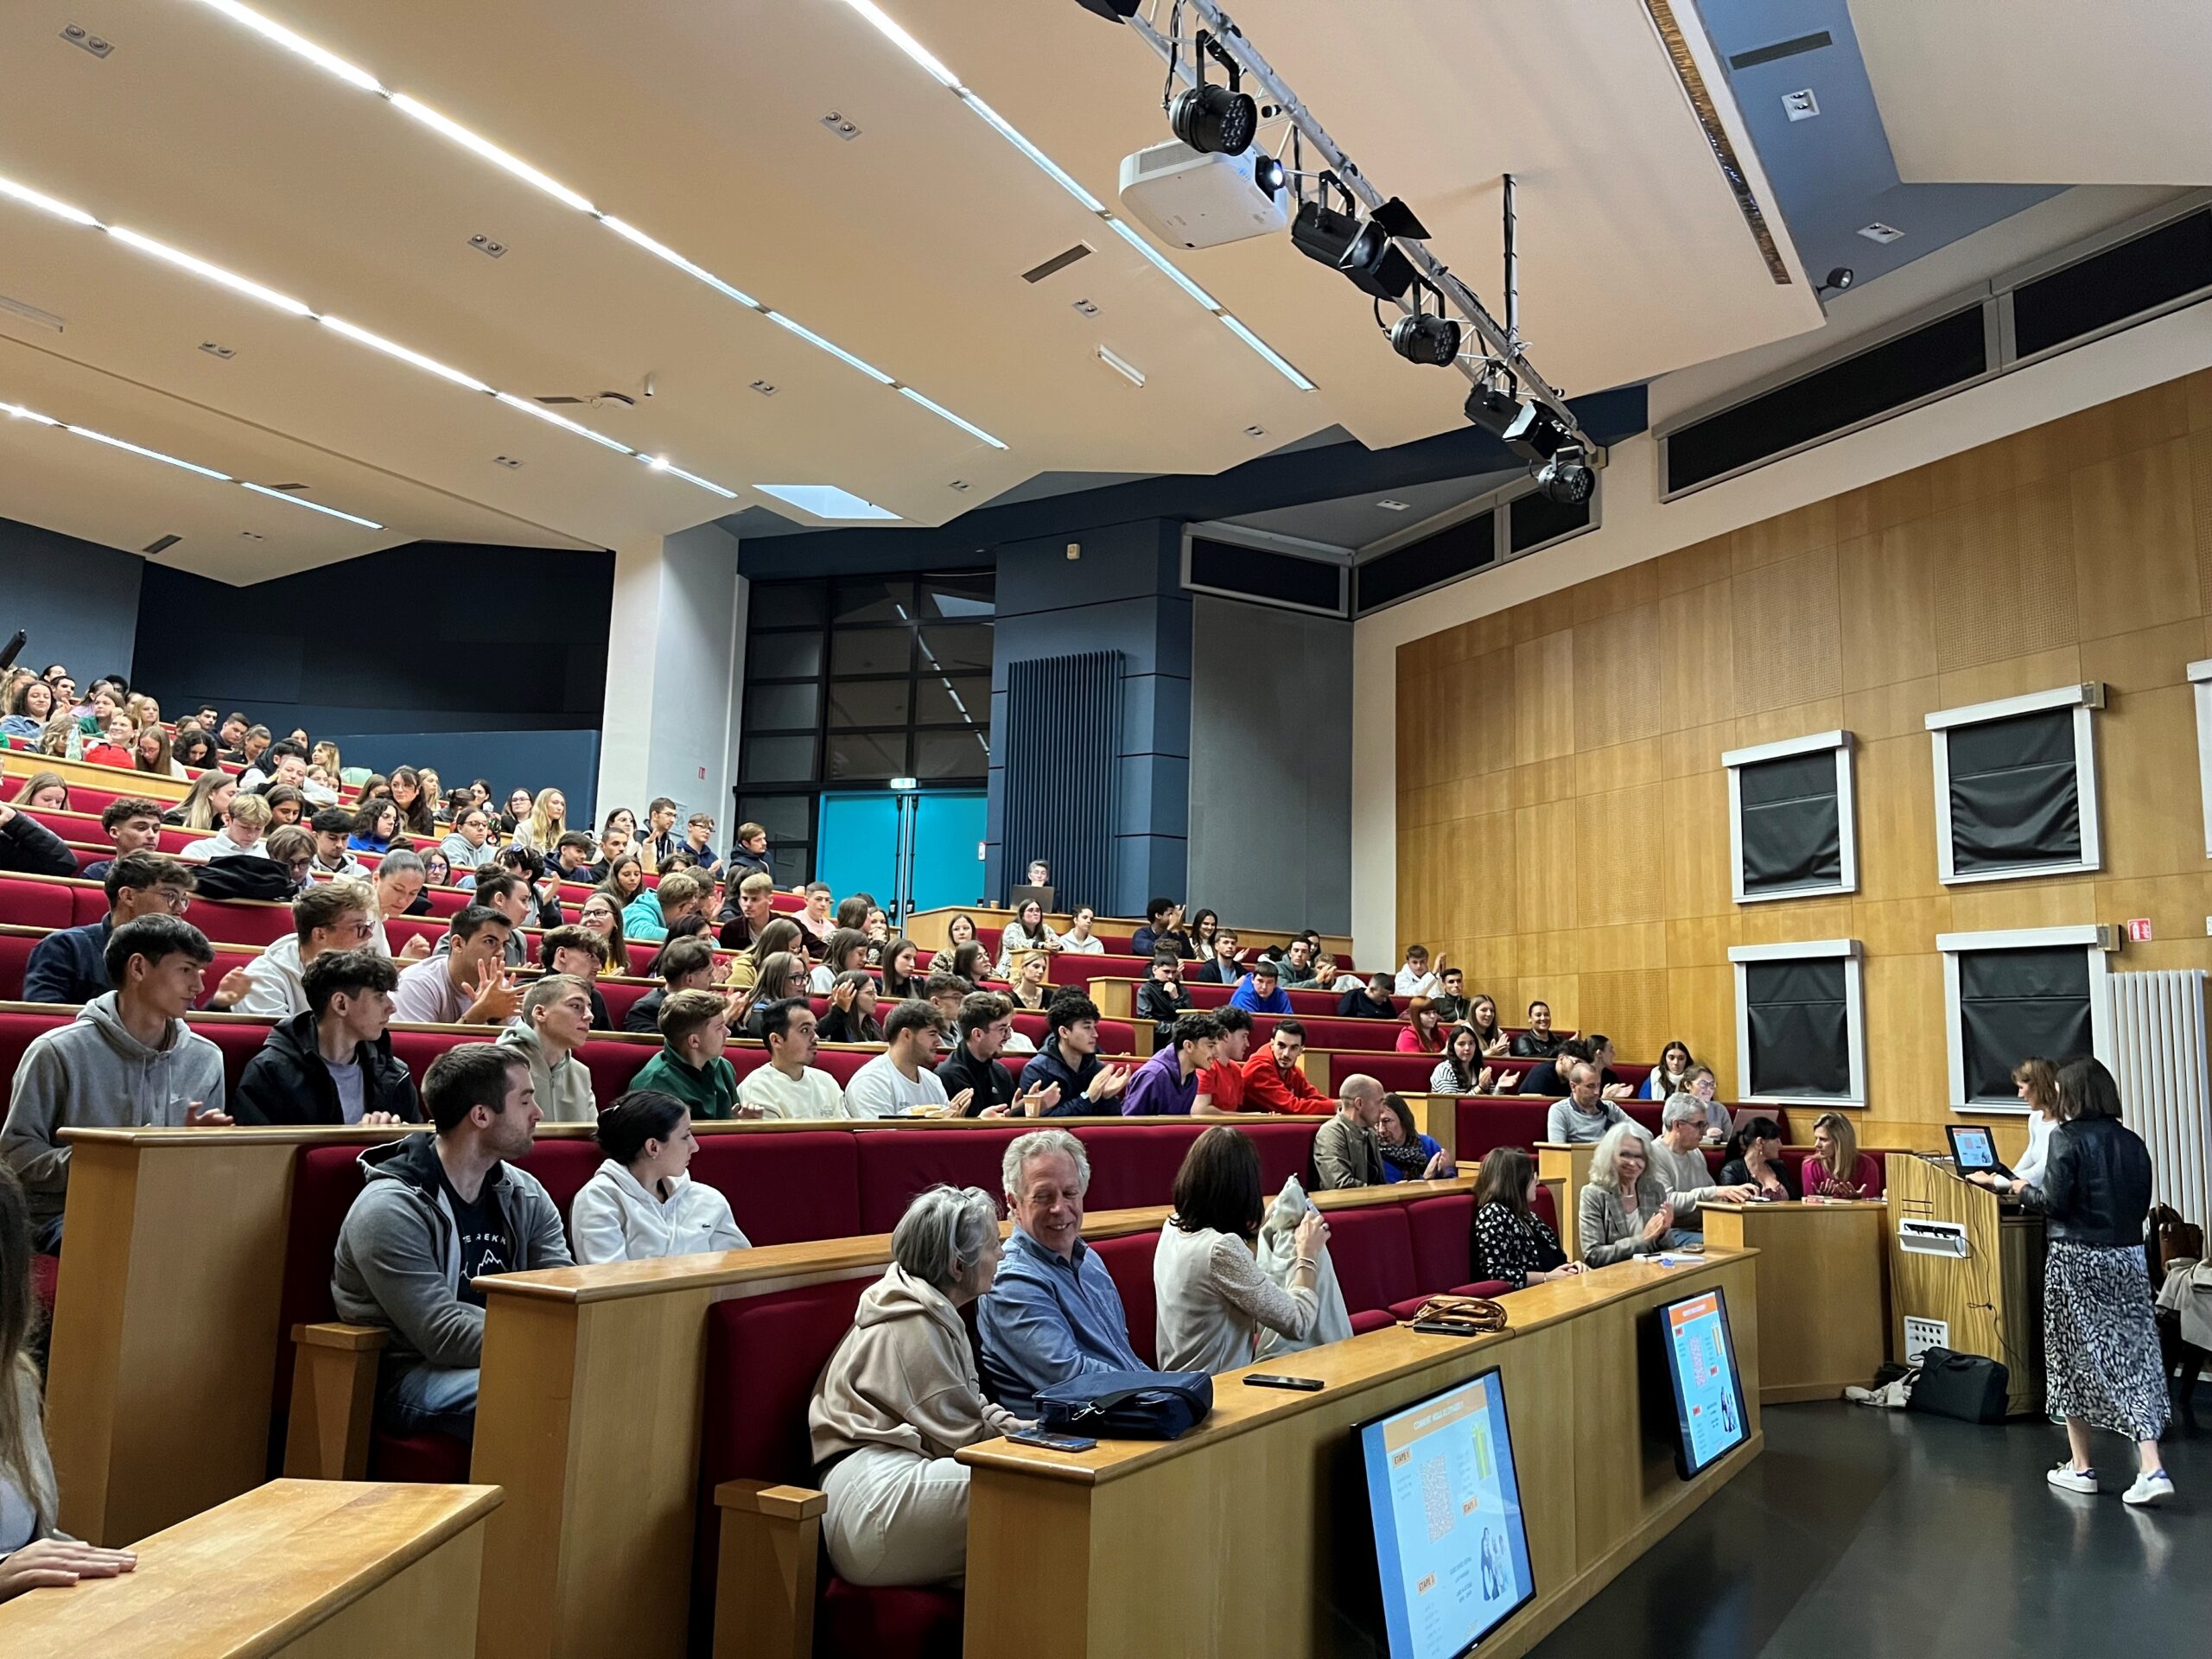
660	464
337	325
21	414
1059	175
508	160
312	506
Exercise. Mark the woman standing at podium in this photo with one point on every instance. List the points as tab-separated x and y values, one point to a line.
2038	1082
2101	1340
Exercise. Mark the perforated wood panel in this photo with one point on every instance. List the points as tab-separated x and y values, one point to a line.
1562	809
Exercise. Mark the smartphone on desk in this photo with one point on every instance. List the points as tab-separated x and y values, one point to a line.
1276	1379
1046	1440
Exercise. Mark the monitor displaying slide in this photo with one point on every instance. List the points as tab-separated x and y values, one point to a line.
1709	1415
1972	1147
1450	1544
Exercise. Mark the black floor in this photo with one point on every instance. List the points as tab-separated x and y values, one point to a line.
1874	1534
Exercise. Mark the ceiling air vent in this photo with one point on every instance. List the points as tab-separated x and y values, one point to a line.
1058	263
2149	273
597	399
161	546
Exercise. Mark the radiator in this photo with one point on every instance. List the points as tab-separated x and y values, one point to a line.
2159	1030
1062	749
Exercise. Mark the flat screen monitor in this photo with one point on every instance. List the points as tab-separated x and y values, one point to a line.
1451	1546
1709	1417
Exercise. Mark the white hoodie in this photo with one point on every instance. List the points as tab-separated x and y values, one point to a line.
614	1218
278	990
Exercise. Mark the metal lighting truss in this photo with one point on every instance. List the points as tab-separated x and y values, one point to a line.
1502	342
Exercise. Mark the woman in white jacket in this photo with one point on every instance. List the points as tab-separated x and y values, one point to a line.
640	1204
900	1395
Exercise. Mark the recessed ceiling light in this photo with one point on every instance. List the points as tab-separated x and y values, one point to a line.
766	388
253	535
355	75
30	313
959	484
1394	506
77	34
1086	308
826	501
1880	232
1801	105
507	461
18	412
885	26
838	123
216	349
1256	431
1121	365
484	246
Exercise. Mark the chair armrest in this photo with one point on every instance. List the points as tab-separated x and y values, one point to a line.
763	1498
357	1338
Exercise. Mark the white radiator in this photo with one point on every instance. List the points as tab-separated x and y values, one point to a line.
2159	1032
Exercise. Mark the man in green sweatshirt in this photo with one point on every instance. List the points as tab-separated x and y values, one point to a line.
694	1031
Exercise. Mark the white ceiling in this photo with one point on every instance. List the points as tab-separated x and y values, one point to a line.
700	122
2044	92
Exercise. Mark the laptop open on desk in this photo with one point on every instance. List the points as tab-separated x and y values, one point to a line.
1974	1148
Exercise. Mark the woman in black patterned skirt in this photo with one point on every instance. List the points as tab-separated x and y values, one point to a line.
2101	1340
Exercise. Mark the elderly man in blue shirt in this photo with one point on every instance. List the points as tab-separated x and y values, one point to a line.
1052	1312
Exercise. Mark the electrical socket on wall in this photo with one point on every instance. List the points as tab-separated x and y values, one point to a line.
1921	1335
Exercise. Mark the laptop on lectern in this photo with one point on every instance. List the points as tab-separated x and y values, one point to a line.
1022	895
1974	1148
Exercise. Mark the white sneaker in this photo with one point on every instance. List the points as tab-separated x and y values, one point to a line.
2068	1479
2149	1490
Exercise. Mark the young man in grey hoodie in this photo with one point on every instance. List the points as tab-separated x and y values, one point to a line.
127	1061
438	1212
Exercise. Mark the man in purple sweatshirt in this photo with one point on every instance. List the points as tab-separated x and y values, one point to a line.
1165	1084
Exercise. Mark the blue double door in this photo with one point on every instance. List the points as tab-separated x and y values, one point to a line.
857	845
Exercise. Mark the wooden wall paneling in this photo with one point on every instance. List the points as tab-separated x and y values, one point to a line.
2004	576
2151	800
1788	632
1618	682
1618	841
1543	683
2199	491
2134	540
1812	528
1886	593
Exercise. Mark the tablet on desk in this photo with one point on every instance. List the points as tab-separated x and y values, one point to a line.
1974	1149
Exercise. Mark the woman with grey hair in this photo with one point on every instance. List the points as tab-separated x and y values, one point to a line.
900	1395
1623	1212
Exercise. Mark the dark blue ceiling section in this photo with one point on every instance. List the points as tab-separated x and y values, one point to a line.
1283	479
1833	175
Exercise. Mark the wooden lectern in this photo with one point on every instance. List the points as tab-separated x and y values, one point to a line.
1991	1299
1565	1169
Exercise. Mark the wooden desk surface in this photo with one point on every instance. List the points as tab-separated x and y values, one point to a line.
1379	1356
252	1576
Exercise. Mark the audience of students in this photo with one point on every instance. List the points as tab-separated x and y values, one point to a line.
1259	991
1079	939
980	1031
1371	999
1223	964
901	1082
128	1060
1585	1115
1068	1061
582	954
331	916
900	1395
69	965
851	1016
332	1063
1512	1242
1346	1150
1423	1031
1221	1085
1167	1083
436	1212
1415	978
1161	999
1407	1154
1213	1298
1671	1075
465	983
690	1064
1053	1312
1162	930
245	821
1027	930
1678	1160
1537	1042
29	848
788	1085
639	1205
131	824
1276	1079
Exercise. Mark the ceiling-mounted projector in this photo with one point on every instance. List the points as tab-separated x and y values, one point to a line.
1192	200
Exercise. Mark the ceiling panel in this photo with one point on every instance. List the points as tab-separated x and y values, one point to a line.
2040	92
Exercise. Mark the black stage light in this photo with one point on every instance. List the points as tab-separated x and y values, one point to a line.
1566	478
1114	11
1215	120
1423	339
1536	434
1268	174
1492	406
1839	279
1359	248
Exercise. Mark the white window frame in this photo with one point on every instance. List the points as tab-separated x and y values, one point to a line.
2087	936
2084	700
2200	682
1855	1014
1847	834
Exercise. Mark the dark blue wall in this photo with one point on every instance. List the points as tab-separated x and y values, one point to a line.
506	644
1123	594
78	601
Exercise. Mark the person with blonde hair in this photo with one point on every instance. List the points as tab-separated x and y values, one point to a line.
2036	1080
1837	1168
205	802
245	821
44	791
547	823
1623	1212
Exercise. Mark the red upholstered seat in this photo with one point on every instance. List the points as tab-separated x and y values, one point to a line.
1486	1122
1135	1164
621	995
913	1621
26	901
895	1166
1371	1318
1373	1252
1115	1036
240	1040
1129	1259
1442	1231
1285	1149
325	1181
613	1065
786	1189
16	944
1544	1208
1306	1005
429	1459
18	1031
1073	968
236	921
45	1278
1404	1074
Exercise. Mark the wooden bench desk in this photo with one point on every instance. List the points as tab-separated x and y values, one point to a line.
1823	1284
312	1568
1248	1538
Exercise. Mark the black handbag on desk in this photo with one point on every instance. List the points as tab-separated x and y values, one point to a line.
1127	1405
1966	1386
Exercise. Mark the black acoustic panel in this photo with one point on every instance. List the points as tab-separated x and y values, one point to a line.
2015	1003
1947	353
1791	822
1532	520
2154	269
1254	573
1800	1027
1456	551
2015	797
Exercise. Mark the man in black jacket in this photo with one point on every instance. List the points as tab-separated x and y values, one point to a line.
1162	999
29	848
70	965
334	1064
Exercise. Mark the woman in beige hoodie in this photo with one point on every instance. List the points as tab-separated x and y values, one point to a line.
900	1395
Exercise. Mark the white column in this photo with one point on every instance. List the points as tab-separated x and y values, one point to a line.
674	672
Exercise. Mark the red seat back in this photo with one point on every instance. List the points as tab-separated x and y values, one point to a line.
894	1166
26	901
16	947
1134	1164
1485	1124
786	1188
1373	1251
1443	1237
238	921
1129	1259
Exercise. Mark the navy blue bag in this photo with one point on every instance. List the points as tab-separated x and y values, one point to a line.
1127	1405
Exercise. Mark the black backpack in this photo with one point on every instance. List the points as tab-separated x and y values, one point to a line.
244	876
